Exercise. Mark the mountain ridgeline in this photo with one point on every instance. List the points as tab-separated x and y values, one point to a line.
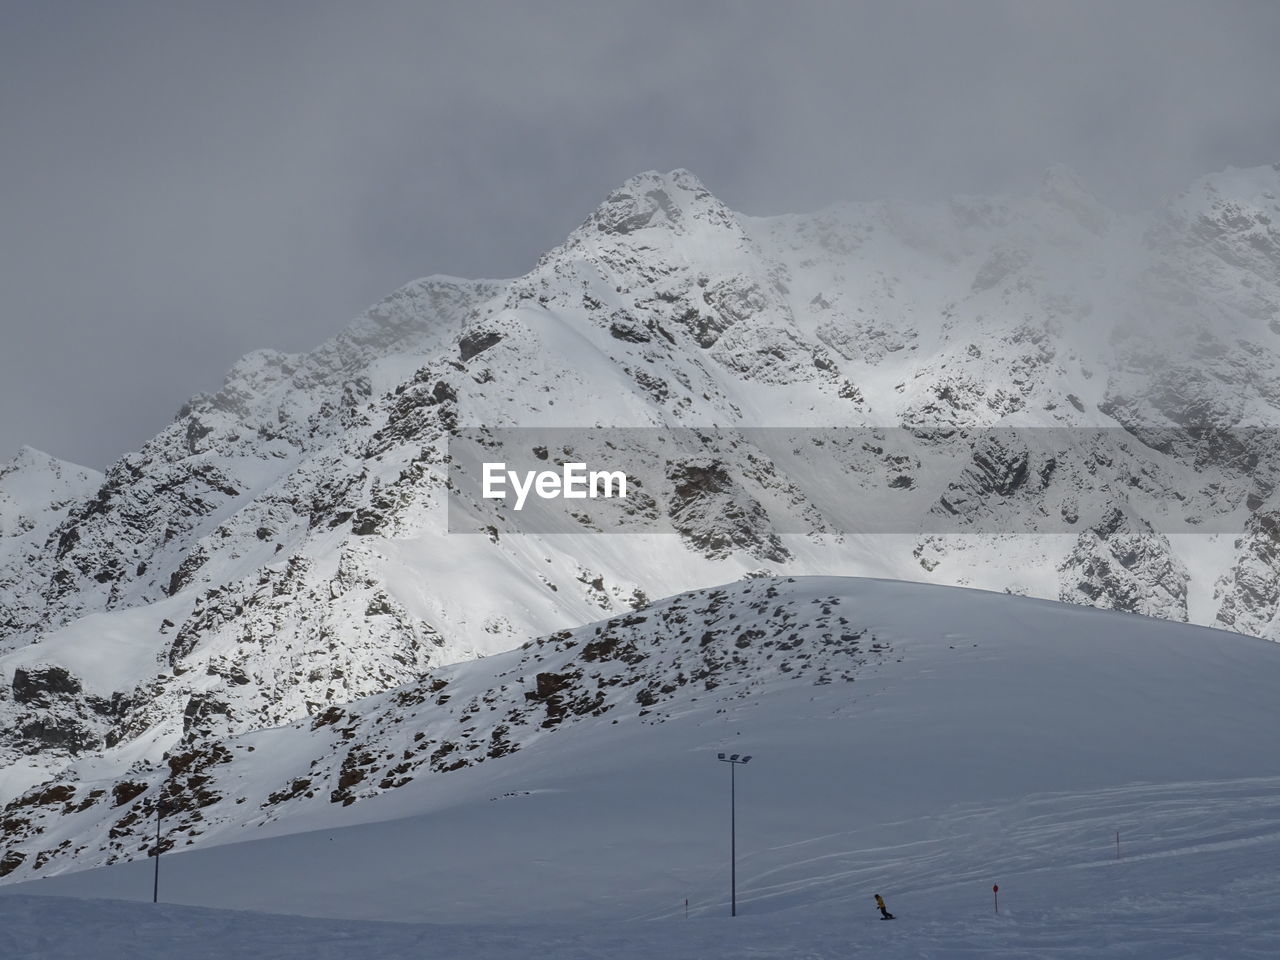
283	546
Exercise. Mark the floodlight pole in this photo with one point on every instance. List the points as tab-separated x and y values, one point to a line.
733	762
733	840
155	883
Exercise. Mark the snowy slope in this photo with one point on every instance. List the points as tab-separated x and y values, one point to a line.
935	742
1166	922
867	703
283	545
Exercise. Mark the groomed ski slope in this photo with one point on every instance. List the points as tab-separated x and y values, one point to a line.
1002	739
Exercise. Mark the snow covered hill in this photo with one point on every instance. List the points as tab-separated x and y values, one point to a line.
283	546
913	740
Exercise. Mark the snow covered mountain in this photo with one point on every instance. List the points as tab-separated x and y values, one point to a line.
283	545
916	740
36	494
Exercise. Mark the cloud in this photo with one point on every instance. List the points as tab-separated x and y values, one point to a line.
183	183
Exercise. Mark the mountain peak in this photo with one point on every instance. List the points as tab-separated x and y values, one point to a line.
31	460
35	485
672	201
29	456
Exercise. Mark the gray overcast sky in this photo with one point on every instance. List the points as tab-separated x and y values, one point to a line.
181	183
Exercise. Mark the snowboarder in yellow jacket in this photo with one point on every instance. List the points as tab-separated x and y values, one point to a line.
884	911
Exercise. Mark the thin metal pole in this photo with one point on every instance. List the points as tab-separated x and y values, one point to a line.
155	885
733	842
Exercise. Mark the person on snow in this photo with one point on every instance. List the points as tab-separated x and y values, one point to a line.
884	911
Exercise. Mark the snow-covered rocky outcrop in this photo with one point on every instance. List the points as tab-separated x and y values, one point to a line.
283	545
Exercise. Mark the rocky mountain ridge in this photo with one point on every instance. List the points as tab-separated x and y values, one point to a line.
283	545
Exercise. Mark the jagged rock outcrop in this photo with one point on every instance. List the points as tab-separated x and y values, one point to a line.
1118	567
1250	591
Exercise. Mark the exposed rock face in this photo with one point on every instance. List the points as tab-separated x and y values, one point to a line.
1250	591
716	514
40	685
1118	568
283	545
